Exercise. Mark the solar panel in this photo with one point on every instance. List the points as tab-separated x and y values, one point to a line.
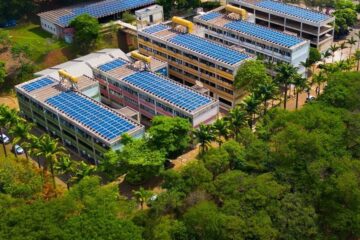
209	49
102	9
156	28
210	16
263	33
111	65
99	119
168	90
293	11
37	84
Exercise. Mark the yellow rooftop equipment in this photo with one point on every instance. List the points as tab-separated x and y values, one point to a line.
242	12
189	25
136	55
68	76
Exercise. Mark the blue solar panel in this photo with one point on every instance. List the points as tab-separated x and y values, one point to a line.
207	48
210	16
111	65
168	90
37	84
102	9
156	28
100	120
293	11
263	33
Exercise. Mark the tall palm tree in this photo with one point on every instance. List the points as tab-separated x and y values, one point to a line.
49	149
357	58
284	77
351	41
21	134
141	196
65	166
358	36
342	46
265	92
300	85
237	119
204	135
81	171
221	129
333	48
318	79
307	65
251	106
8	118
32	145
325	55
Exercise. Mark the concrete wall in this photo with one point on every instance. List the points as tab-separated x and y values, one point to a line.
50	27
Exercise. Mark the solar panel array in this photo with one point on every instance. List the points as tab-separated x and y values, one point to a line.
37	84
102	9
263	33
168	90
100	120
210	16
292	10
112	65
156	28
209	49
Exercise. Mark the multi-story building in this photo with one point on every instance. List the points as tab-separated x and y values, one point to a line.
83	124
307	24
192	58
131	84
223	26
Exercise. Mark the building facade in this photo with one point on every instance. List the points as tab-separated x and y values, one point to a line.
314	26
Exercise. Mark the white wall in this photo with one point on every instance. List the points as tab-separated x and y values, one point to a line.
49	27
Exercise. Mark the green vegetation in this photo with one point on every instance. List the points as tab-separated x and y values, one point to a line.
15	9
2	72
128	17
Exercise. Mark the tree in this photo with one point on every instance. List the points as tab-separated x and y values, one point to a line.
326	55
318	79
266	91
307	65
358	39
141	196
128	17
81	171
284	77
342	46
237	119
221	129
333	49
21	135
2	72
345	18
357	58
204	135
250	74
8	118
15	9
251	105
300	84
170	135
351	41
216	161
50	150
87	31
314	56
65	166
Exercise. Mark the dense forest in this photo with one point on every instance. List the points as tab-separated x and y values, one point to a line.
296	177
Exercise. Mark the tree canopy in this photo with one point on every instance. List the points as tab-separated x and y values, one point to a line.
87	31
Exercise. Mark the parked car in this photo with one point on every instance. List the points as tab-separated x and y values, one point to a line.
4	139
310	99
18	149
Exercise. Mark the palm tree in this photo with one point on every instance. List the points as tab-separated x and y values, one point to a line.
8	118
333	49
342	46
221	129
358	35
351	41
300	85
142	196
21	134
357	58
81	171
265	92
65	166
325	55
251	106
204	135
49	149
237	119
307	65
32	145
284	77
318	79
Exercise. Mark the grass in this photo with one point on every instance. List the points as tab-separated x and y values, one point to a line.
38	42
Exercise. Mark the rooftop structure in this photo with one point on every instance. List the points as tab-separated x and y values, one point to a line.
308	24
149	15
273	45
193	58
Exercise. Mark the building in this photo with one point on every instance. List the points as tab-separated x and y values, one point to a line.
147	90
222	25
57	21
307	24
149	15
193	59
83	124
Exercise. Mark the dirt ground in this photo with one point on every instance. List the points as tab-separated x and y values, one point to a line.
10	101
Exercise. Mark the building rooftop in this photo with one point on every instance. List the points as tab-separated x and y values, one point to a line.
37	84
64	16
197	44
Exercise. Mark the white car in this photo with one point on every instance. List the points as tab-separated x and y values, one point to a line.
18	149
310	99
4	139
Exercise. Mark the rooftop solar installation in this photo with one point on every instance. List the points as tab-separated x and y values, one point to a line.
210	16
102	9
168	90
99	119
264	33
111	65
207	48
37	84
293	11
156	28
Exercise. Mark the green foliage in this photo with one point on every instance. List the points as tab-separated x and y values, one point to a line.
128	17
250	75
169	134
345	18
87	32
343	4
2	72
15	9
314	55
